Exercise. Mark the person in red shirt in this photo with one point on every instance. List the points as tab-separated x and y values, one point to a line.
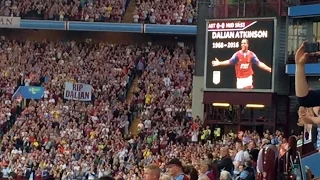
243	60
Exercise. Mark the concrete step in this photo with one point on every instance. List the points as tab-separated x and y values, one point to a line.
136	121
128	17
134	126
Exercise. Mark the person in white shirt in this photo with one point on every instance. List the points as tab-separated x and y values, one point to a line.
194	136
167	81
246	154
239	159
147	124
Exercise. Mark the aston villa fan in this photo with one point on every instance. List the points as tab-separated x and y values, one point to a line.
306	97
175	169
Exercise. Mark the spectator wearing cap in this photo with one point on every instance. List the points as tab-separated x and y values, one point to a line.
152	172
175	169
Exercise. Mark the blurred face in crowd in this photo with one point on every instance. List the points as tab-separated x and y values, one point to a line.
241	168
223	152
251	145
238	146
149	174
203	168
173	170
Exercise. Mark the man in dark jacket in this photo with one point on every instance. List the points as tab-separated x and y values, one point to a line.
225	162
253	152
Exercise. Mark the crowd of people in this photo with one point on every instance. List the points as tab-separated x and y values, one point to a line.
59	138
74	10
66	139
166	12
147	11
234	156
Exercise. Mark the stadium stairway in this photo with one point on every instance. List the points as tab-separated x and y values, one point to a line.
136	120
128	17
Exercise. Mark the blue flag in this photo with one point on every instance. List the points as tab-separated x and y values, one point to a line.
29	92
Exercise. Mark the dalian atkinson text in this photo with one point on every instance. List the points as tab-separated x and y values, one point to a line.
239	34
77	94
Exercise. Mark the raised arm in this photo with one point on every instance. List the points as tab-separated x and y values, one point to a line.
231	61
305	97
260	64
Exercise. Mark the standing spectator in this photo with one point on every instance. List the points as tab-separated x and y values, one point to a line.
239	158
226	161
253	151
140	67
175	169
152	172
206	169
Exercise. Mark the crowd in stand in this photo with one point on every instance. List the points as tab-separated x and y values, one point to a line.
59	138
147	11
65	139
83	10
165	12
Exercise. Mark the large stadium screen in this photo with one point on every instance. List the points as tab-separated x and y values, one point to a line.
240	55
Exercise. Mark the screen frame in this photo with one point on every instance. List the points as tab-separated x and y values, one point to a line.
205	88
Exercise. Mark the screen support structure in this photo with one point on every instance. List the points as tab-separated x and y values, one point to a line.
203	13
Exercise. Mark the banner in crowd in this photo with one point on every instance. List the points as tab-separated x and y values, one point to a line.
9	22
78	91
29	92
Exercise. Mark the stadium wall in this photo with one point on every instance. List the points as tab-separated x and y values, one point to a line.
197	97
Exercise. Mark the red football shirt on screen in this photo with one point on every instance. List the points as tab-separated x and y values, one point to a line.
243	63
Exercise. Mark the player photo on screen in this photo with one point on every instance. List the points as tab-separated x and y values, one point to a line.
240	54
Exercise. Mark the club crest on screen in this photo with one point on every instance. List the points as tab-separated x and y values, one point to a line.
216	77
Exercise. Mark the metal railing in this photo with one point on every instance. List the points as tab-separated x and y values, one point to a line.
270	8
311	60
302	2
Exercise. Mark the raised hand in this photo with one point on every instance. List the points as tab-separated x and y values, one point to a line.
301	56
215	62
